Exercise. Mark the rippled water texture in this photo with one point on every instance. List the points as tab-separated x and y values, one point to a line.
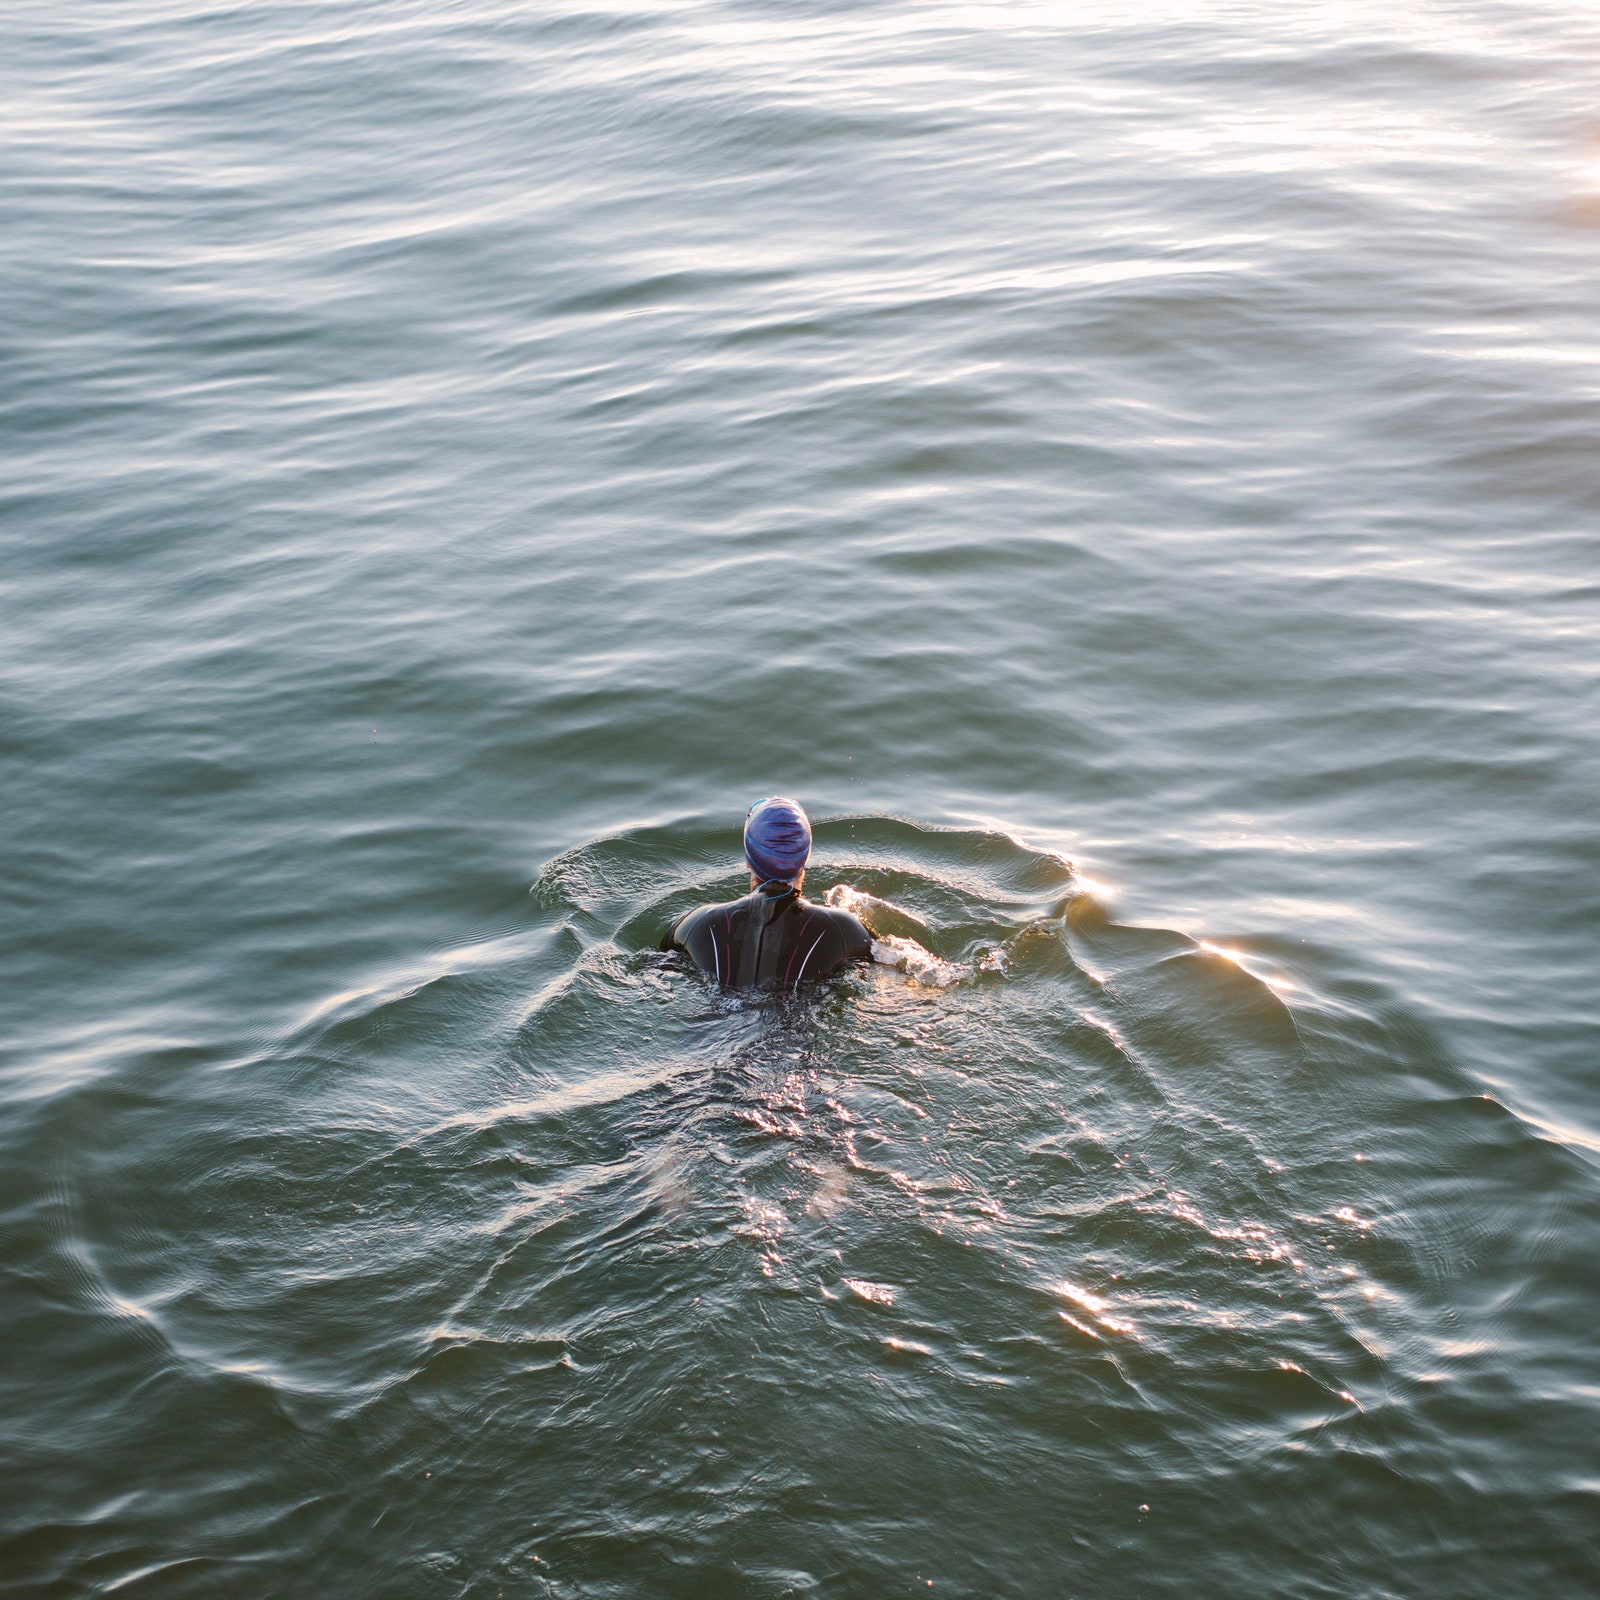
1130	471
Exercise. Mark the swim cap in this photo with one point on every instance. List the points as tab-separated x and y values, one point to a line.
777	839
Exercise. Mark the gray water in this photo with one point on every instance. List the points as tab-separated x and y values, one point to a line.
1129	471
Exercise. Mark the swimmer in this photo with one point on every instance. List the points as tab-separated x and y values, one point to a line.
771	939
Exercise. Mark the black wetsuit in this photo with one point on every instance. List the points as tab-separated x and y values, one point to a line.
769	941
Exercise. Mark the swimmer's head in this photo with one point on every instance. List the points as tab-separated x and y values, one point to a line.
777	839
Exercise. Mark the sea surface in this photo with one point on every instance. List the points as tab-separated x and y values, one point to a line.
1131	471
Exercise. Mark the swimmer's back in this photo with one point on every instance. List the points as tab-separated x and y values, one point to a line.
767	941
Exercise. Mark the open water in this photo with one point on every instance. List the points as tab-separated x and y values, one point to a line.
1130	470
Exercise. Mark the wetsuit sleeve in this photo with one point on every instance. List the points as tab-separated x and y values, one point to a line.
857	940
669	940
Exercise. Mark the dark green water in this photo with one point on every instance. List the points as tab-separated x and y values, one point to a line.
1130	471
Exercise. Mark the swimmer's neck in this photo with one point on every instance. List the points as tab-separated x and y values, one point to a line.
755	882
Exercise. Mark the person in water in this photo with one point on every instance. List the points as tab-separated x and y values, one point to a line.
771	939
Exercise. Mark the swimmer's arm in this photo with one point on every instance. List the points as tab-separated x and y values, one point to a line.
674	942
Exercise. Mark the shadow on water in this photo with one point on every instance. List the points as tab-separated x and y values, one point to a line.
980	1270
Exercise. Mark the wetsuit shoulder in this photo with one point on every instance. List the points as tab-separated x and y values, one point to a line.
707	935
853	934
819	941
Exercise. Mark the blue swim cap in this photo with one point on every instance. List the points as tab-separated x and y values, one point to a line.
777	839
